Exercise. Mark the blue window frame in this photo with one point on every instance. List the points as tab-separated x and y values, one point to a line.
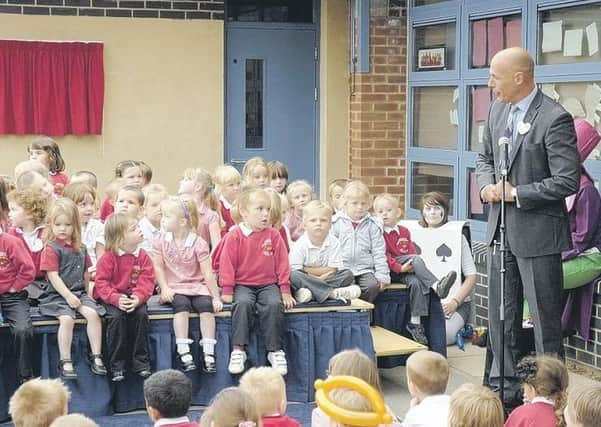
461	157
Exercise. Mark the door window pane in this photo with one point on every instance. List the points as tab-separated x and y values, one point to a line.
435	117
254	103
270	10
426	2
569	35
435	47
480	98
476	210
488	36
427	177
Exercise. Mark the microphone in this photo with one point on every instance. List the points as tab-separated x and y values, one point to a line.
504	161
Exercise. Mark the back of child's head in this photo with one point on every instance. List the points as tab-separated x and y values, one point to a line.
584	406
356	364
114	231
73	420
316	206
182	209
169	392
276	208
29	179
225	174
350	400
146	172
49	145
385	197
113	187
32	201
30	165
79	191
232	407
428	371
68	208
548	377
356	190
38	402
475	406
87	177
268	386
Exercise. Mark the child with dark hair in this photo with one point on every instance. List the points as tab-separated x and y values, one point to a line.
168	395
46	151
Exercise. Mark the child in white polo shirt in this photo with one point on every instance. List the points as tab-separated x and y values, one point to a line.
316	261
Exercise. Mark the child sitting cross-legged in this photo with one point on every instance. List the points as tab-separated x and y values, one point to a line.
316	260
168	395
270	386
408	267
254	273
183	270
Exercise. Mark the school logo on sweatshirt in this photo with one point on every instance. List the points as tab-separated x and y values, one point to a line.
135	273
3	260
267	247
403	244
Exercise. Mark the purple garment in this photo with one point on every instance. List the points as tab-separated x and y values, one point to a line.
585	226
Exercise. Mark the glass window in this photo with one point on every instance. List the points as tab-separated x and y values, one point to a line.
435	118
476	210
270	10
480	98
254	103
435	47
488	36
581	100
427	177
569	35
426	2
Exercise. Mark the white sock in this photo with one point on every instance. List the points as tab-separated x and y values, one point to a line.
183	345
435	284
208	345
416	320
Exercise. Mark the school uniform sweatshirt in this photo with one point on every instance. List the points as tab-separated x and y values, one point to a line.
398	243
124	274
16	267
253	258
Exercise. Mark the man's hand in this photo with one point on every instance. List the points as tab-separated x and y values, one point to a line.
490	194
508	190
288	301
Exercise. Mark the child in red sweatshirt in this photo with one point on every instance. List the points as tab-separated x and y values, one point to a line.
124	282
254	272
16	272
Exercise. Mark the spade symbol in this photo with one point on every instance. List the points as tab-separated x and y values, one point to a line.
443	251
417	248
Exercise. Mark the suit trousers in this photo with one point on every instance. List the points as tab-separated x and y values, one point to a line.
539	280
15	309
266	301
127	338
321	289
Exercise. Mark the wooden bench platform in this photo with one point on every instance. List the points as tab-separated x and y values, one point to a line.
388	343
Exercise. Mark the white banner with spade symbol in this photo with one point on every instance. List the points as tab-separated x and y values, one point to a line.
439	247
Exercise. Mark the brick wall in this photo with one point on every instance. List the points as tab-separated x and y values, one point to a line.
378	104
182	9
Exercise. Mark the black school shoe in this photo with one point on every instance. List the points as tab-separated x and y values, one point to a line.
97	365
117	375
444	285
67	374
418	333
145	373
208	363
186	364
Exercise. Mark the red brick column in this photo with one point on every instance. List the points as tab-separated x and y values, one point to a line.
378	110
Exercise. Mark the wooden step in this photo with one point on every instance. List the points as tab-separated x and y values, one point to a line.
388	343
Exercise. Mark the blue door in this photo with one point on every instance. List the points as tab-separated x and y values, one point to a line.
271	97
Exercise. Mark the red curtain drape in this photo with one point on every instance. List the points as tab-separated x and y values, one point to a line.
51	88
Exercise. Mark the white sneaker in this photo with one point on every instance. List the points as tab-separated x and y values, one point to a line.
347	293
303	295
237	362
277	359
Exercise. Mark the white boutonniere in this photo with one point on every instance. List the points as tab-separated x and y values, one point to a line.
523	128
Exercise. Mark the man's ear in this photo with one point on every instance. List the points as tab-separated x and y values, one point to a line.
518	78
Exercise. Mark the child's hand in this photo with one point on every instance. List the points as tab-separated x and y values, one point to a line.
73	301
124	303
167	295
450	308
227	299
134	302
327	275
288	301
407	267
217	305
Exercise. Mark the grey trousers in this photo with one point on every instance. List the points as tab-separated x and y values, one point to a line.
369	286
320	288
420	283
266	301
16	312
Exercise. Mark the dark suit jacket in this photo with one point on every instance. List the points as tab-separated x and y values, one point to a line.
544	166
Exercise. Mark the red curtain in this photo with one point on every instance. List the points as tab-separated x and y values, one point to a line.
49	88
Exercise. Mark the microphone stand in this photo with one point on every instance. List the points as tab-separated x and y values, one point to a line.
504	149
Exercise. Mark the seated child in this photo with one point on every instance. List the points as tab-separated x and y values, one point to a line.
277	217
299	193
85	177
183	270
231	407
269	387
279	176
362	241
227	186
150	223
27	213
545	382
584	407
357	364
168	395
316	261
34	181
127	172
335	190
46	151
146	171
254	273
130	201
107	206
124	282
474	405
73	420
255	173
38	402
16	272
427	377
66	264
408	267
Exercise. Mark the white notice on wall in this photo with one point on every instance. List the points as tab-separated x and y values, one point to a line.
455	95
454	117
480	134
592	37
572	44
552	36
